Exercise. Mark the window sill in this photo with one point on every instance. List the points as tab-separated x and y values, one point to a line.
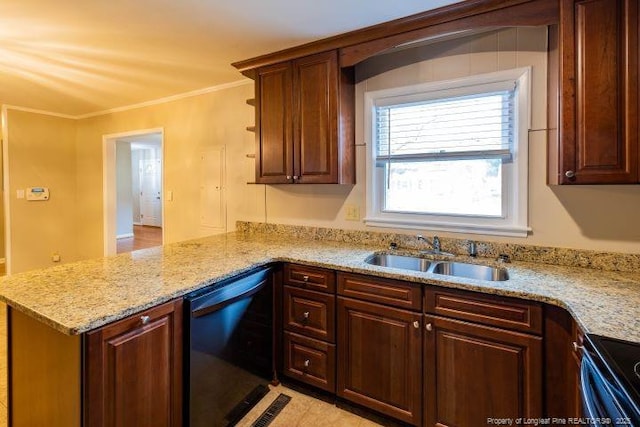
488	229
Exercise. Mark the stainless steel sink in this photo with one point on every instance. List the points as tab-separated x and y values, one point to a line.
399	261
471	271
446	268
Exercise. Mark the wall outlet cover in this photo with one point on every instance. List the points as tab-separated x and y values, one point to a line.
352	212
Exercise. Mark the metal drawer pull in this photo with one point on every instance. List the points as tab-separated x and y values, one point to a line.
305	278
305	315
428	327
145	319
307	363
416	324
577	347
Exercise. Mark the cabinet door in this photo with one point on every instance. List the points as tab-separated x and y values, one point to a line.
134	370
599	84
475	372
274	146
316	118
380	358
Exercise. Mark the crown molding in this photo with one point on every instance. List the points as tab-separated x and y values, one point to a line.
158	101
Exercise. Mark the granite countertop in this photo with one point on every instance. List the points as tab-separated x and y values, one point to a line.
79	297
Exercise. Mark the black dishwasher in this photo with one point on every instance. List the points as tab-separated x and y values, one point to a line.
228	349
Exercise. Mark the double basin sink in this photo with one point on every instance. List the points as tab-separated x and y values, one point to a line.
447	268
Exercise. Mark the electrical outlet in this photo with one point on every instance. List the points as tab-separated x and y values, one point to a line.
352	212
55	257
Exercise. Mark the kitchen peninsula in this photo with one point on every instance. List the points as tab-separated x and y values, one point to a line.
53	312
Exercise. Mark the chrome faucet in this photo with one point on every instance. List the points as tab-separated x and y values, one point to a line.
472	248
434	243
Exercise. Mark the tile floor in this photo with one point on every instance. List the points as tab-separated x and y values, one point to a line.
304	410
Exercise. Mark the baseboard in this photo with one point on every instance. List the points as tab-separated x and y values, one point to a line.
124	236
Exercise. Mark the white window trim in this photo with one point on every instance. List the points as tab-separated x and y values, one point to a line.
515	221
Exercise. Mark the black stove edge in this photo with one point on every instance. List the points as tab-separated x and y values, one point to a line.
597	343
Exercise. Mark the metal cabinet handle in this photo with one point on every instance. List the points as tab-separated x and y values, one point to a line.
305	278
305	315
428	327
416	324
570	174
307	363
577	347
288	176
145	319
296	177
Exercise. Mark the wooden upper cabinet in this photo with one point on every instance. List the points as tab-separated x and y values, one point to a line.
273	124
595	51
304	122
134	370
315	124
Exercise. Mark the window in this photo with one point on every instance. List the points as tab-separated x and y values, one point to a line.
450	155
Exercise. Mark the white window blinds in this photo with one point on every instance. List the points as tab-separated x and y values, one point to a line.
472	126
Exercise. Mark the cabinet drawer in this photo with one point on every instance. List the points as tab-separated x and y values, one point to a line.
309	313
310	361
317	279
508	313
384	291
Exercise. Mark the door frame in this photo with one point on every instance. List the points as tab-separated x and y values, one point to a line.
109	207
6	202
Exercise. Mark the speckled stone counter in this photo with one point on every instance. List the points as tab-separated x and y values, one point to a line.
79	297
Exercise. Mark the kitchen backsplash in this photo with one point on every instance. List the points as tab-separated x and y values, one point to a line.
609	261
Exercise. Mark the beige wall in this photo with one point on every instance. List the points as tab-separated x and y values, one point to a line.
191	125
67	156
41	152
2	234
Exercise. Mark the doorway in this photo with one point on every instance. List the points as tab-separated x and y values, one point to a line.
133	190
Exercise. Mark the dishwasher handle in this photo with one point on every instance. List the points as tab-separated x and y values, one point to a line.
226	295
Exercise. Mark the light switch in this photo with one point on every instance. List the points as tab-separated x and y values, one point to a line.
169	196
20	194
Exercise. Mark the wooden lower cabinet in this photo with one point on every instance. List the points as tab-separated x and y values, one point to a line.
311	361
380	358
562	359
473	373
134	370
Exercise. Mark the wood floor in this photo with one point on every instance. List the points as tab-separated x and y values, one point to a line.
143	237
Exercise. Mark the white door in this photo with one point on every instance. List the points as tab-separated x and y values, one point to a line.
150	192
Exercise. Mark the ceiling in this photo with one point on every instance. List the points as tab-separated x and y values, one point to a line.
77	57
